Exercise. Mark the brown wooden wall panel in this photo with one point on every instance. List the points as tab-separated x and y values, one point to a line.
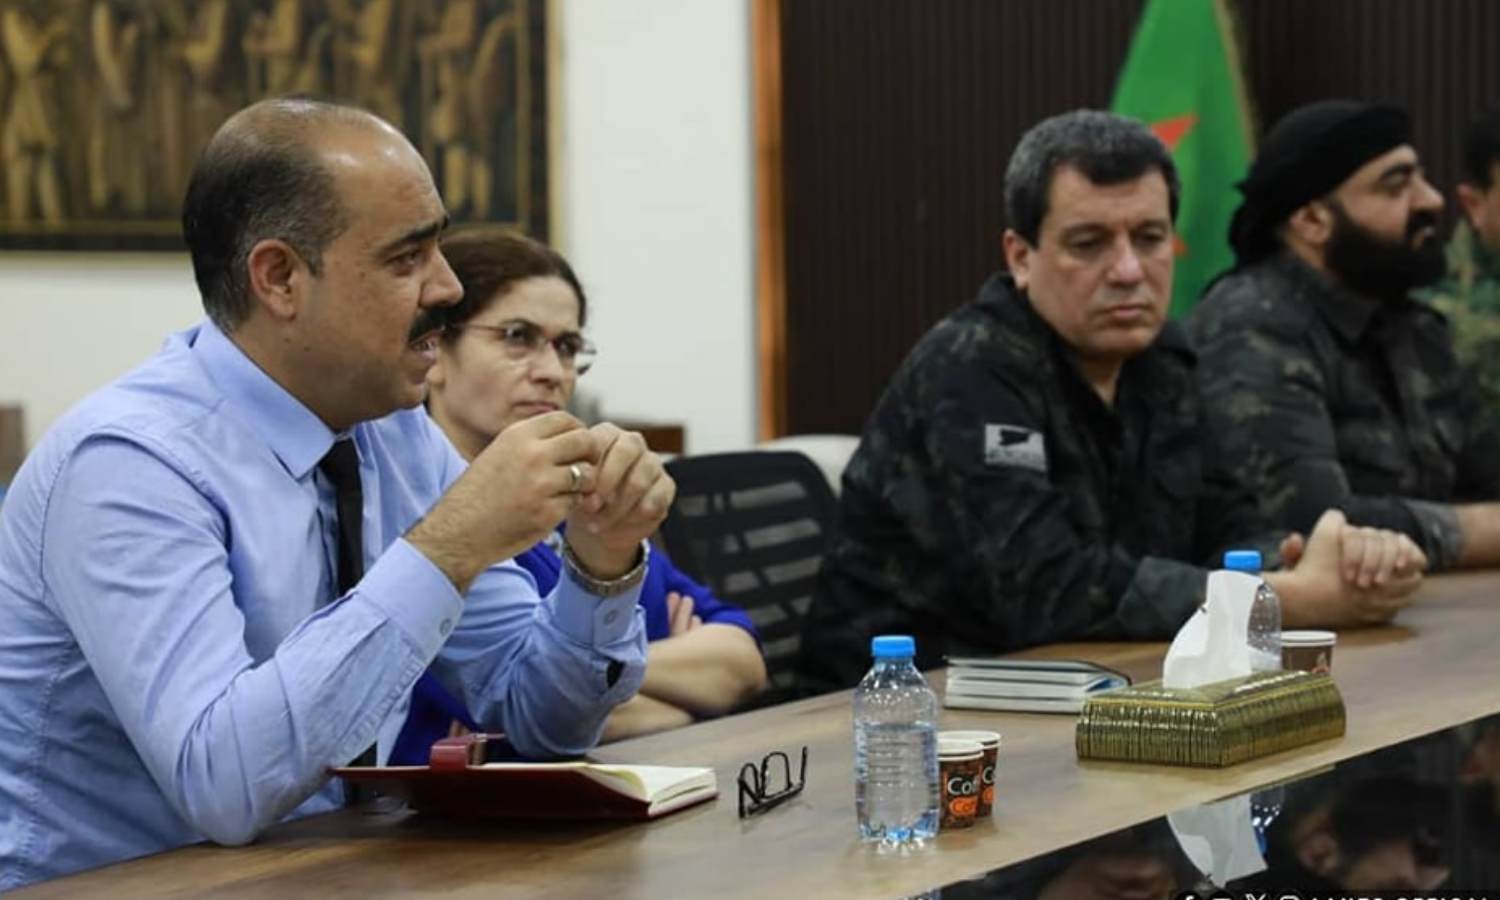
901	114
1440	59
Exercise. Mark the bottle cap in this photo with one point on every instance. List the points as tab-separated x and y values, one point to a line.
1242	560
891	646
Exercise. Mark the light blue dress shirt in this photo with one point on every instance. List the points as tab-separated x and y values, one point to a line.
172	666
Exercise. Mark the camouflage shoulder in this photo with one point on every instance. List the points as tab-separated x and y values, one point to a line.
1174	341
1251	298
970	340
1485	295
950	349
1440	295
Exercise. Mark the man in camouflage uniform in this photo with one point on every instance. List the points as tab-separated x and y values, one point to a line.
1327	385
1032	473
1470	295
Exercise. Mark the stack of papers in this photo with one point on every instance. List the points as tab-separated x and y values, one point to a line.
1026	685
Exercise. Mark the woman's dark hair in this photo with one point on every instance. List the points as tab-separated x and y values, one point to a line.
489	261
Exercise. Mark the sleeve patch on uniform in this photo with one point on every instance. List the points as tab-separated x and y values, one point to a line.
1012	445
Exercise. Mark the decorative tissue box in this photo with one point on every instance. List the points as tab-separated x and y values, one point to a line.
1215	725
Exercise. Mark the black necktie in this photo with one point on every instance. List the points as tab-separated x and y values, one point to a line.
341	467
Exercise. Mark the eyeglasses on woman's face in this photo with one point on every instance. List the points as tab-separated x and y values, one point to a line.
523	341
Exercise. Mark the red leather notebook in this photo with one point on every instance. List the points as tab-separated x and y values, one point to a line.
456	781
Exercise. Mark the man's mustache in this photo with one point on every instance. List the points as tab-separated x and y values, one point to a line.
428	321
1419	220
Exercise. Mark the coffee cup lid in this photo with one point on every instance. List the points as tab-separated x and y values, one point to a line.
950	748
1307	637
985	738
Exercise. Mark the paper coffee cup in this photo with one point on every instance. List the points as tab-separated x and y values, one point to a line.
960	767
990	742
1308	651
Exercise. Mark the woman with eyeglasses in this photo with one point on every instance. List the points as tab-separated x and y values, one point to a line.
513	348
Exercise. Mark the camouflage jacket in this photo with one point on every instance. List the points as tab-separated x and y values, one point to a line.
995	502
1326	398
1470	298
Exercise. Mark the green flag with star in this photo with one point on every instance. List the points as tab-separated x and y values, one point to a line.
1183	78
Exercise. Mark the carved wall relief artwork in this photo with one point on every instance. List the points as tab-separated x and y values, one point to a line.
104	104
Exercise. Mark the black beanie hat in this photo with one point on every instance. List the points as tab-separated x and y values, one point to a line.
1311	151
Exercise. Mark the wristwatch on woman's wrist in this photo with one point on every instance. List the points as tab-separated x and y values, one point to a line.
605	587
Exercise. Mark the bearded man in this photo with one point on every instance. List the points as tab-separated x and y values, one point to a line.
1328	386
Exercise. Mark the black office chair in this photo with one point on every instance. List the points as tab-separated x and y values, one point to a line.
755	527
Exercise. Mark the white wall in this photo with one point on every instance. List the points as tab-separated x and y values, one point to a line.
653	165
653	205
70	322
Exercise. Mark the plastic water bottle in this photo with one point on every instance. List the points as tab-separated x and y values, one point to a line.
1265	806
1264	630
895	748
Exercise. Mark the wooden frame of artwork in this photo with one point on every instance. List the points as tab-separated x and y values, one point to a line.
104	104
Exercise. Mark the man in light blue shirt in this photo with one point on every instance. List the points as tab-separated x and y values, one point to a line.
176	662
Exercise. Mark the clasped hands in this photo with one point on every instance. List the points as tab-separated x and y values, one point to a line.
1344	575
604	481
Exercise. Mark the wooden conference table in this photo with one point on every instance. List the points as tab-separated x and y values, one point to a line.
1437	668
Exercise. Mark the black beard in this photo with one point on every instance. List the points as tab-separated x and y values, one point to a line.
1376	267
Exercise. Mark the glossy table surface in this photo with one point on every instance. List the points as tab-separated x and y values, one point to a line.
1417	819
1436	668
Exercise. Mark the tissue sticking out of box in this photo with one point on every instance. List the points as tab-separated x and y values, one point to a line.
1212	645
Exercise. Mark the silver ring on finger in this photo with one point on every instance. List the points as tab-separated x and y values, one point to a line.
576	474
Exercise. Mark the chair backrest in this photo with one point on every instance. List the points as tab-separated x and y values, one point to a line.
755	526
831	452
